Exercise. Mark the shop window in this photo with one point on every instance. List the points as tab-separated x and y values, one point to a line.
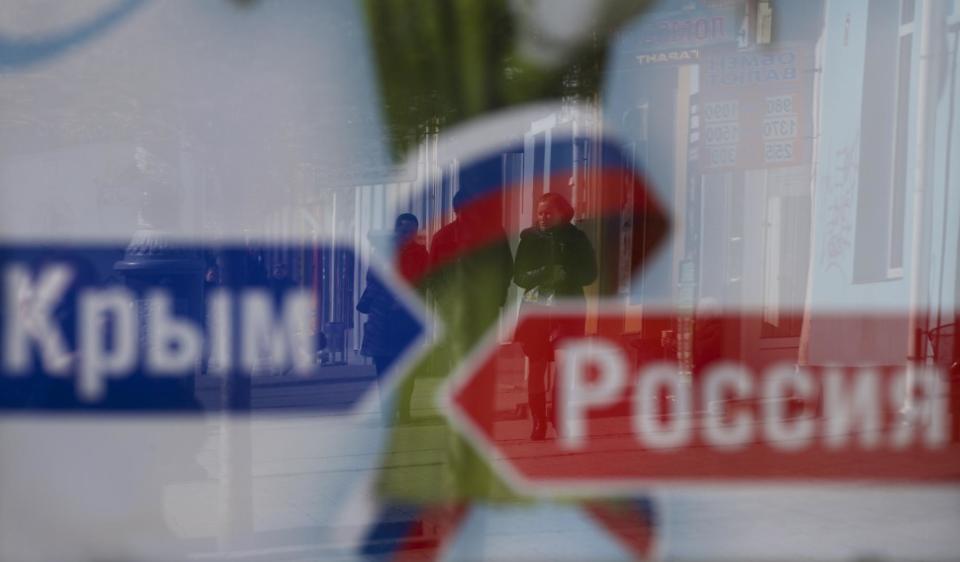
881	197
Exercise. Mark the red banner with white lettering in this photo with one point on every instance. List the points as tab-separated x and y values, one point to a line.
622	414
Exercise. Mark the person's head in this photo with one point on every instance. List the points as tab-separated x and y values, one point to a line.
212	275
553	210
466	209
406	226
459	201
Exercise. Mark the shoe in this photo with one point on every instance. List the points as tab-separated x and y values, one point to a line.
552	419
539	430
538	413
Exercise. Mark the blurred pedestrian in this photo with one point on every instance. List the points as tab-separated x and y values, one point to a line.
389	327
555	261
411	256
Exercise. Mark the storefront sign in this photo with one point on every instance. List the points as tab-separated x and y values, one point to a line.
679	36
755	108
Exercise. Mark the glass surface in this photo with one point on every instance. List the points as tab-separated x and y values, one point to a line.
479	280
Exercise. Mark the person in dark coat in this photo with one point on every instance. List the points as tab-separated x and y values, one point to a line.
389	328
380	341
412	258
471	266
555	261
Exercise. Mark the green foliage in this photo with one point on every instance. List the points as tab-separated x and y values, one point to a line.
440	62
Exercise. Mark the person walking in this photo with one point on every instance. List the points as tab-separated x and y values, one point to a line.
389	328
554	262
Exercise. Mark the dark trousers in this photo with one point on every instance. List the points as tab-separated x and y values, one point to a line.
404	392
537	390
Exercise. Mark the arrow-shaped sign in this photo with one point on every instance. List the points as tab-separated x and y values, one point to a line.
160	329
612	195
625	420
